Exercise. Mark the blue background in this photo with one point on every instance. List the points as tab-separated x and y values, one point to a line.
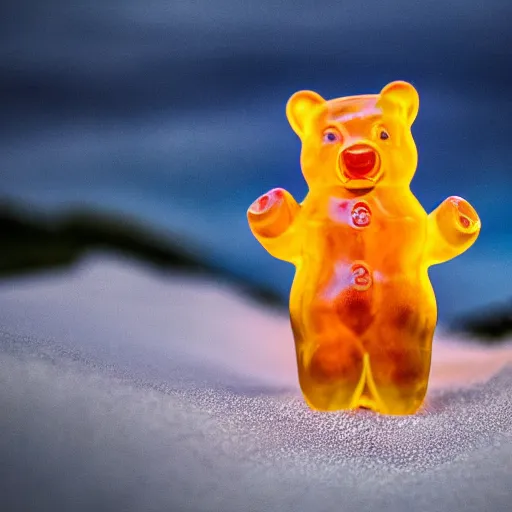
172	113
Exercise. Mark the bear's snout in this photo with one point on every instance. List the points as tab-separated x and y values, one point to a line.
360	161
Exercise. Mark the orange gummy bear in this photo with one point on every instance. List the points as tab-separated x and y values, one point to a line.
362	308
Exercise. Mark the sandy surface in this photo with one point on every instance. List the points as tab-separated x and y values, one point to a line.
122	389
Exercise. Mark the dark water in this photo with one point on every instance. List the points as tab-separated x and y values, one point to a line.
173	112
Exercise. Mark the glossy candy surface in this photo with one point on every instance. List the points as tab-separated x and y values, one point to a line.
363	311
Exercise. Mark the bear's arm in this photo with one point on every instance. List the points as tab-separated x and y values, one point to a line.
271	218
453	228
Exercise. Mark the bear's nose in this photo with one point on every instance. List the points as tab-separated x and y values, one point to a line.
359	160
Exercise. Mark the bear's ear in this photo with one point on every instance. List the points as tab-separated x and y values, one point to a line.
299	107
403	96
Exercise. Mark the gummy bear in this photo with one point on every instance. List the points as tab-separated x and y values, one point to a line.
362	308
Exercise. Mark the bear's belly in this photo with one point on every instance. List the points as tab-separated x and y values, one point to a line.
354	293
363	328
349	268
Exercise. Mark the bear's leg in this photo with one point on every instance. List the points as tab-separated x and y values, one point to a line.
331	369
399	349
400	380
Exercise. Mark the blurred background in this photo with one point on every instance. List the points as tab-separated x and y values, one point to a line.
147	128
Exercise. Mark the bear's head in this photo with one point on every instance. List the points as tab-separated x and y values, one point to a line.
358	141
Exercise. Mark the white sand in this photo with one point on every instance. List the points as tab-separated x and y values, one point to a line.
122	389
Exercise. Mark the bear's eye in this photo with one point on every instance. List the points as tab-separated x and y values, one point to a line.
383	135
331	136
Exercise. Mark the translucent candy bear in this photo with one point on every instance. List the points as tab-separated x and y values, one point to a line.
363	311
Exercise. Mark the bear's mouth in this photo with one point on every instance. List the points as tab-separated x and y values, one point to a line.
359	165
